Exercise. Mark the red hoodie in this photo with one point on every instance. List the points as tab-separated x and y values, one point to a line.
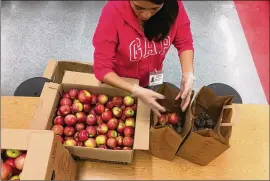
121	46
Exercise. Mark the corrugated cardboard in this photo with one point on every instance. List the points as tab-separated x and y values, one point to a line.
164	140
204	146
46	159
49	100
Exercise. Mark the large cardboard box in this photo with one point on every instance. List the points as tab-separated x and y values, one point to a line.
46	159
49	101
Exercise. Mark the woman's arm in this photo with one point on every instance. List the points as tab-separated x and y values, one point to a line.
186	61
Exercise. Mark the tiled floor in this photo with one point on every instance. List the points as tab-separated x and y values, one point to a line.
33	32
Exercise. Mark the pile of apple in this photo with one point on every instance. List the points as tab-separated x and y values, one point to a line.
95	121
12	162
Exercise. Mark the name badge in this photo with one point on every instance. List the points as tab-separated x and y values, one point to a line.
156	78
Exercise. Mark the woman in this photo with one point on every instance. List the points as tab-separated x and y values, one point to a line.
132	39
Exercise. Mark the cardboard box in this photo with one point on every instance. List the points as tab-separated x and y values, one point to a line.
164	140
49	100
46	159
55	69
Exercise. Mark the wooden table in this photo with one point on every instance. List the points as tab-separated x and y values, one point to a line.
248	157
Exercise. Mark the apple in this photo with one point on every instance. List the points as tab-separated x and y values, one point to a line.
128	101
11	162
79	143
102	99
77	107
69	137
128	131
128	112
117	101
99	109
65	101
102	128
90	143
6	171
126	148
91	130
14	177
12	153
76	100
117	112
59	113
60	138
66	95
121	126
119	140
73	93
69	131
123	107
86	108
70	142
19	161
107	115
70	120
58	129
109	104
93	98
163	119
59	120
102	146
128	141
91	120
111	142
92	111
84	96
83	135
130	122
80	126
106	109
99	119
117	148
76	137
101	139
112	123
112	134
134	107
65	110
81	117
123	117
173	118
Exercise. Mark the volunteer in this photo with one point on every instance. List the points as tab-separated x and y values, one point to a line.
132	39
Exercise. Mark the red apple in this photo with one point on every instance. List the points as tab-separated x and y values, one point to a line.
121	126
69	138
119	140
93	99
117	148
58	129
106	109
128	112
112	123
81	117
83	135
112	134
11	162
99	109
77	107
99	119
117	112
86	108
101	140
102	99
69	131
163	119
59	113
65	110
128	131
6	171
76	137
173	118
128	101
111	142
70	120
109	105
84	96
66	95
70	142
126	148
102	128
73	93
60	138
92	131
91	120
128	141
65	101
90	143
80	126
130	122
117	101
19	161
123	117
107	115
92	111
123	107
59	120
79	143
134	107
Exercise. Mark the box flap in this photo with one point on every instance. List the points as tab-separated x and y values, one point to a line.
51	70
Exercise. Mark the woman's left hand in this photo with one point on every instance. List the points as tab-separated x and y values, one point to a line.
186	89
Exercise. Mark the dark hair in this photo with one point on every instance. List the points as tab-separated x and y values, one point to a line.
159	25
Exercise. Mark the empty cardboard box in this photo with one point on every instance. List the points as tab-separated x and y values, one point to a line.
49	100
46	158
